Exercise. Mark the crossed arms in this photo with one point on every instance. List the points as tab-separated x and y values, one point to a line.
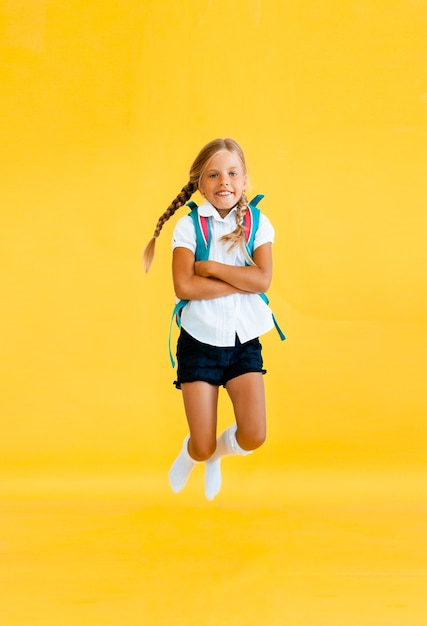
193	279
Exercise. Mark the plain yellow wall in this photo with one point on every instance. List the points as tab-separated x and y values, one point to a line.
104	106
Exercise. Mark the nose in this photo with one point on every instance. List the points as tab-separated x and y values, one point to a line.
223	179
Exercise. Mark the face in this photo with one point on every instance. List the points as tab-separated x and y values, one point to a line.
223	180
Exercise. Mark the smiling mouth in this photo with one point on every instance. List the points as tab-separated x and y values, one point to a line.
223	193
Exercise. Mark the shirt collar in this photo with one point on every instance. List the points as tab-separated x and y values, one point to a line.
208	210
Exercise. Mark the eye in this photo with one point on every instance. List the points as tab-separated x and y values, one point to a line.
233	173
213	175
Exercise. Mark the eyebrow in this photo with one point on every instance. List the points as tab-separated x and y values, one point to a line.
213	169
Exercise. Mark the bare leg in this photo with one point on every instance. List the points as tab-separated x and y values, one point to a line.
247	395
200	401
201	405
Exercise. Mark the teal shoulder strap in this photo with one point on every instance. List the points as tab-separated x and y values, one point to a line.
176	313
251	222
282	335
203	232
255	217
255	201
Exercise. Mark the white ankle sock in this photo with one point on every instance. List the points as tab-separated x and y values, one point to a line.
181	468
226	444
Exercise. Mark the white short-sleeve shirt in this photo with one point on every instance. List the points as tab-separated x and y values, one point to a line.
217	321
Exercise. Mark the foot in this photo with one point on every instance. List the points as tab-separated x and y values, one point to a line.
213	478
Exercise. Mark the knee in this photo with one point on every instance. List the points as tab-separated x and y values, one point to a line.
201	450
251	439
261	439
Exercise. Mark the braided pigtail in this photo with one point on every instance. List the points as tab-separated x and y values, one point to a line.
237	236
183	196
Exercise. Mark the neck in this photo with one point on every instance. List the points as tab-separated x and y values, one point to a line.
224	212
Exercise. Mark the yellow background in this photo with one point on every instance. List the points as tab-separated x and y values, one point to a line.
104	106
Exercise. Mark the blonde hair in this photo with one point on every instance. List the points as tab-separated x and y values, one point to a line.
237	237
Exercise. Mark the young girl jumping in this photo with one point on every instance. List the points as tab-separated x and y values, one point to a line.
218	343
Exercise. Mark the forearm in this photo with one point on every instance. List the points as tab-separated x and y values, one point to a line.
247	278
203	288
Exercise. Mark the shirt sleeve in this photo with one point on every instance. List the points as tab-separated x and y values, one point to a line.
184	235
265	232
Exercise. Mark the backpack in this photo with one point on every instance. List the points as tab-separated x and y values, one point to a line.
203	234
202	227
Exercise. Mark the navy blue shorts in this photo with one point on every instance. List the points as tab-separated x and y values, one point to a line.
201	361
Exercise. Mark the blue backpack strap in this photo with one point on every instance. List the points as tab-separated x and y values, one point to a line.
254	215
203	232
254	202
176	313
279	330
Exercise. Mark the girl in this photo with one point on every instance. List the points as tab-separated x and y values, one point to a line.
218	344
